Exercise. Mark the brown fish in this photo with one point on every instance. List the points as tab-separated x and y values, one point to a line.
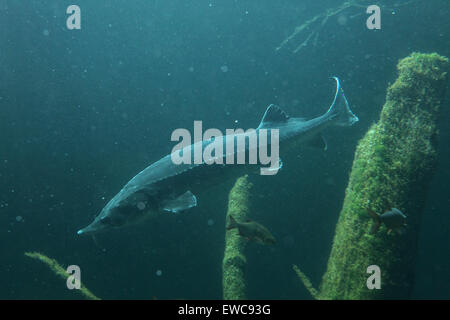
393	219
252	230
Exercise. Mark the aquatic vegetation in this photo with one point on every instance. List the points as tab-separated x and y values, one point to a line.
307	283
60	272
393	165
234	260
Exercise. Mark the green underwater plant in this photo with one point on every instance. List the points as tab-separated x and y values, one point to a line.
393	165
60	272
234	260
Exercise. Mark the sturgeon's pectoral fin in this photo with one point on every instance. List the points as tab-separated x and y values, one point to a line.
185	201
273	169
318	141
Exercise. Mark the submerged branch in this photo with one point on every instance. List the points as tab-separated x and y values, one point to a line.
60	272
306	282
316	24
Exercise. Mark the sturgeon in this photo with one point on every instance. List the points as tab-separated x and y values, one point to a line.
168	187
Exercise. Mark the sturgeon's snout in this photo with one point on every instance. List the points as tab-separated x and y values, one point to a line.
94	227
84	231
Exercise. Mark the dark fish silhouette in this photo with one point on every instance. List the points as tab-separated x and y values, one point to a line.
394	220
252	230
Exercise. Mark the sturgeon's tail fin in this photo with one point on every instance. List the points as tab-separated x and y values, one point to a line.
339	110
232	223
376	221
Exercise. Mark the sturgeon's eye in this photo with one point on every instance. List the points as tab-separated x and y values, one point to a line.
141	205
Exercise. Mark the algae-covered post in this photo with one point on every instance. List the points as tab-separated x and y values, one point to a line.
234	260
393	165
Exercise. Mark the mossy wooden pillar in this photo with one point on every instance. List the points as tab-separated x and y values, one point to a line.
234	261
393	165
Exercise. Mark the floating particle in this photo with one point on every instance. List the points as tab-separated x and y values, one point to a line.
288	240
19	218
210	222
159	273
342	20
191	69
45	32
224	68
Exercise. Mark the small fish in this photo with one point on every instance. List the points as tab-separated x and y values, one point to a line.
252	231
394	220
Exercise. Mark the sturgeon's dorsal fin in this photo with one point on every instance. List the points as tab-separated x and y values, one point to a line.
273	114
